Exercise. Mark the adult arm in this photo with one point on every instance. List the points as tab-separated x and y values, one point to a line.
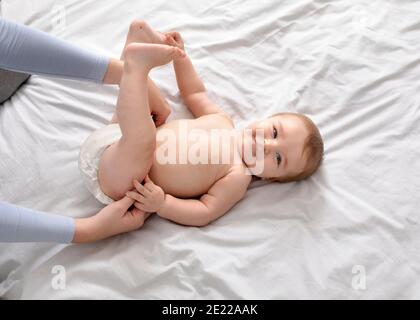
18	224
29	50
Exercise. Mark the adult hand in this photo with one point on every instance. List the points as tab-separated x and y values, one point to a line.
114	219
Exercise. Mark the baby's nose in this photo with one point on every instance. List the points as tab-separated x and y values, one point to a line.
269	145
266	146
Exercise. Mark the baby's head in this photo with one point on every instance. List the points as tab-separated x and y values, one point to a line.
293	147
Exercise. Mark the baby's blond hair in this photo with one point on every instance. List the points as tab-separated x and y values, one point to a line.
313	148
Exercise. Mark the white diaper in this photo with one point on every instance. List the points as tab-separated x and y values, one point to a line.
91	153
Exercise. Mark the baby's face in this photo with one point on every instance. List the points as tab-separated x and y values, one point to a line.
284	138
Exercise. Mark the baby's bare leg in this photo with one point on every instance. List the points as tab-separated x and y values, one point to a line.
132	156
141	32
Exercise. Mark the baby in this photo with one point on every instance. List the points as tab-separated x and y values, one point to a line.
188	177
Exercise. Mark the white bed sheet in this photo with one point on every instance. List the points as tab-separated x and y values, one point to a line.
353	66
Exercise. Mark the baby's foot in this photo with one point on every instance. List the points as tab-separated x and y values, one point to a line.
148	56
141	32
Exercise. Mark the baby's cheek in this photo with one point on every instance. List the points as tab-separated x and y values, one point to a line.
267	167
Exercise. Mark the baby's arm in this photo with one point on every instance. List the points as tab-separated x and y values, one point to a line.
221	197
191	87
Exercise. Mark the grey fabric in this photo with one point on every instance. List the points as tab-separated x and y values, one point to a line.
10	81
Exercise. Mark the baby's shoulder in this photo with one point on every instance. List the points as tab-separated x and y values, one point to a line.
239	175
232	187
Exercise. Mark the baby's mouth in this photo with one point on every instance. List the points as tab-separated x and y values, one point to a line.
254	145
249	144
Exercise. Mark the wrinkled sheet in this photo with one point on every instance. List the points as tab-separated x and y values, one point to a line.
353	66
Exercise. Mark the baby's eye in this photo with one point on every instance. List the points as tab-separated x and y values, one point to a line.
274	133
278	158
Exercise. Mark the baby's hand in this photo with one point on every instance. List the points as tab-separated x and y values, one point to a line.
149	197
174	39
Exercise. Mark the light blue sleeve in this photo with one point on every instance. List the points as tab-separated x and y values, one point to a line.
19	224
32	51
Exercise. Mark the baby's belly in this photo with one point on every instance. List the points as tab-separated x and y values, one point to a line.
186	180
186	166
